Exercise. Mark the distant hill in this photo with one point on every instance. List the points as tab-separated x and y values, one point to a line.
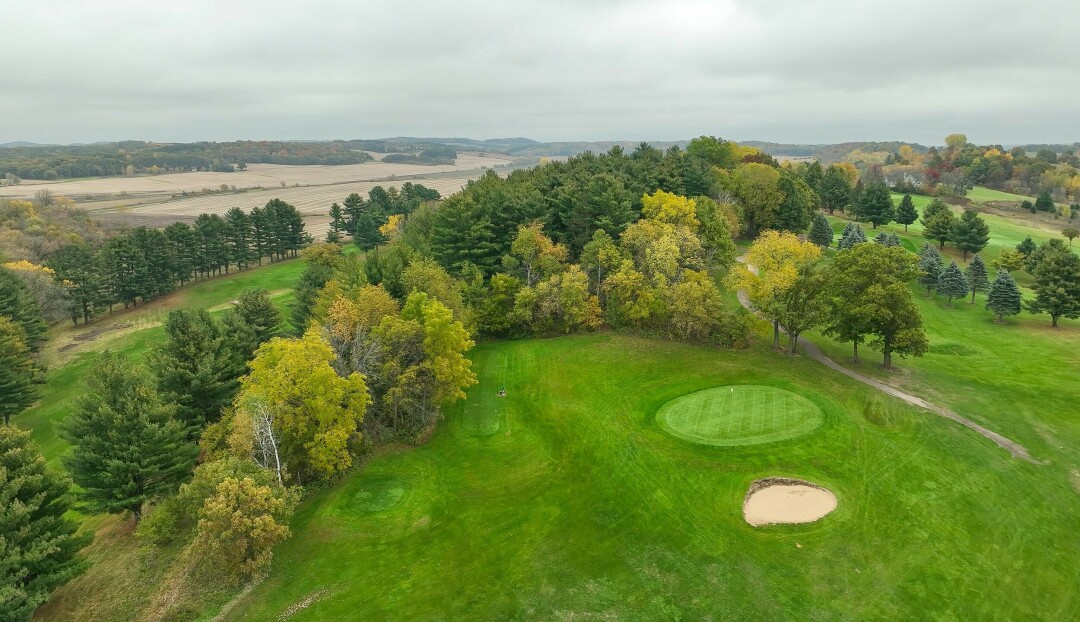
828	154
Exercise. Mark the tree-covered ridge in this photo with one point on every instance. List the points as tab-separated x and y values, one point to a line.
137	157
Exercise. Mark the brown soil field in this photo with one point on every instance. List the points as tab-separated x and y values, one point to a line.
256	176
156	201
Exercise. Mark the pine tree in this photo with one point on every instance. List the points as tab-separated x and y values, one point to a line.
906	214
238	233
367	235
39	544
952	284
353	207
18	305
978	277
821	232
337	223
835	189
970	233
127	447
185	245
1057	284
930	267
197	367
1026	247
306	292
252	321
17	372
1004	297
77	266
875	205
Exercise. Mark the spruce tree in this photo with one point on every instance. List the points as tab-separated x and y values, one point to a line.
17	373
18	305
853	234
38	543
1044	202
970	233
930	267
337	223
906	214
821	232
198	367
1026	247
127	447
978	277
1004	297
952	284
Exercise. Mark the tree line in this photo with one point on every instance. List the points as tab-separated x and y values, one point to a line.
143	263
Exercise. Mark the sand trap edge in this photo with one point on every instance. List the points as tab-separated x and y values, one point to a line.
766	482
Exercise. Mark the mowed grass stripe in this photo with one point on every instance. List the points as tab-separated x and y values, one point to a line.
739	415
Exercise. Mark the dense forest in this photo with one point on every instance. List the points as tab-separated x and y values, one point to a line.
137	157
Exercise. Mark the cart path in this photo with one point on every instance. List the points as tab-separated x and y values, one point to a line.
1016	449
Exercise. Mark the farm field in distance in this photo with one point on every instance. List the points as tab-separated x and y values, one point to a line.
154	201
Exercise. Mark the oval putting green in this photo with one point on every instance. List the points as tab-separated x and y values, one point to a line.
742	414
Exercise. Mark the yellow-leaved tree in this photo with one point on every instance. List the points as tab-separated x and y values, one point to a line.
312	412
772	269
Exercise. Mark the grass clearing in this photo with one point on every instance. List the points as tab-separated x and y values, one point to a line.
739	415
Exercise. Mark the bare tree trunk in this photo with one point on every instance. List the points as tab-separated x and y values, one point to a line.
855	356
776	335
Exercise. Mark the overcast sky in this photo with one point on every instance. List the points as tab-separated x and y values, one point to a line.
777	70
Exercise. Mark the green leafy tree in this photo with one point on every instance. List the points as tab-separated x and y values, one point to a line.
600	258
1009	260
17	374
835	189
1070	233
931	265
875	205
695	306
38	543
970	233
1004	297
906	214
1057	285
978	277
821	232
868	295
757	188
127	447
951	283
1026	247
18	305
316	413
795	208
716	235
803	305
198	367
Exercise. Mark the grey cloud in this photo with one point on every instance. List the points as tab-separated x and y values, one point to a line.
784	70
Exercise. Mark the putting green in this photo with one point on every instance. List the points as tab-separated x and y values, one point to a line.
380	493
742	414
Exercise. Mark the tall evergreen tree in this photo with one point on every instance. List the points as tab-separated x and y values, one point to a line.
906	214
238	233
875	204
970	233
353	206
931	266
259	233
252	321
127	447
306	292
77	266
978	277
185	251
1026	246
38	543
821	232
1044	202
17	372
18	305
124	267
197	366
793	213
937	220
952	284
1057	285
1004	297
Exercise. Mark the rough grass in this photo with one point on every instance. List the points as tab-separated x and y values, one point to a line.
582	507
739	415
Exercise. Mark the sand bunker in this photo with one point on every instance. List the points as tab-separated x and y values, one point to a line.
778	500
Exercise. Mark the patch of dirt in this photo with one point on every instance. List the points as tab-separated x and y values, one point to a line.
780	500
1074	479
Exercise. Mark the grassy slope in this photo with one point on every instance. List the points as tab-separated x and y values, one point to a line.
580	506
66	368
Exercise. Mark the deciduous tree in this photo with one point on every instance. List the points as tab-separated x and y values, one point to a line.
1057	285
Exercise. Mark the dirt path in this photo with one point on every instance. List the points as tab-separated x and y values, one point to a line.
1016	449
